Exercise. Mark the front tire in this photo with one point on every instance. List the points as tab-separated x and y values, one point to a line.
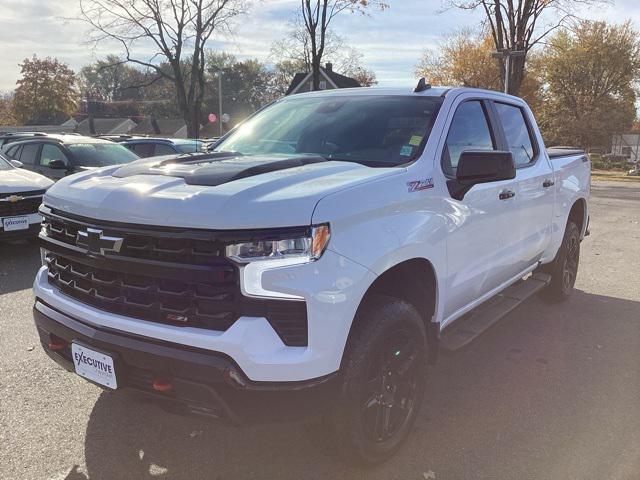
564	269
384	381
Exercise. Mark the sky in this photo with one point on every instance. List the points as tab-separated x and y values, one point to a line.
391	41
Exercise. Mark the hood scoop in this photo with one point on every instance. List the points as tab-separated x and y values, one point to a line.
215	169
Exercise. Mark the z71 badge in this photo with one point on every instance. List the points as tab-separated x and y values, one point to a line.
417	185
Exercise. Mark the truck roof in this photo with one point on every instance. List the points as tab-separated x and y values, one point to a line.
433	91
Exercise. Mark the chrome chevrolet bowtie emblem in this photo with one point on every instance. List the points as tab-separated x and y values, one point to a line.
14	198
95	242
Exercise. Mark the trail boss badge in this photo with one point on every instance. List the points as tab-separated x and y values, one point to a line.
417	185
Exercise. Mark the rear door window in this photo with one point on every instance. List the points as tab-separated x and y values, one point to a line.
162	149
469	130
14	152
517	133
29	153
143	150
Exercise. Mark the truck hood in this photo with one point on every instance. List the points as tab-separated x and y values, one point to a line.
219	194
17	180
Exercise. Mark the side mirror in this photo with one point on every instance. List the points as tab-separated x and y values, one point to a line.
17	163
58	165
481	167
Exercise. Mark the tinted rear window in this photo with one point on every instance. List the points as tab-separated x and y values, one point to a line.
14	152
162	149
29	153
143	150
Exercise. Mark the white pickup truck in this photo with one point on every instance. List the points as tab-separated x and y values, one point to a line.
315	260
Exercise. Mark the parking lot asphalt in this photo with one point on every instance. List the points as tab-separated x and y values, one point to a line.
550	392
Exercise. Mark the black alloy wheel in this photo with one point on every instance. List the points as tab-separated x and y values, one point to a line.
391	391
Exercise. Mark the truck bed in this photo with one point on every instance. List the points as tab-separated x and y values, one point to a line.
557	152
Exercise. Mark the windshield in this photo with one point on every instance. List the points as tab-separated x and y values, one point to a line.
101	154
4	163
374	130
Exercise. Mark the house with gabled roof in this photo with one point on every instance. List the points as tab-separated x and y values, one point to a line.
105	126
164	127
329	80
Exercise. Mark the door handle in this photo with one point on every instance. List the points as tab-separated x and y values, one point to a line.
506	194
548	183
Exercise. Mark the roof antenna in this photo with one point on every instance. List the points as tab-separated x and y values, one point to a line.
422	86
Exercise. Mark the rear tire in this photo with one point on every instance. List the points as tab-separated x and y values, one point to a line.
564	269
384	380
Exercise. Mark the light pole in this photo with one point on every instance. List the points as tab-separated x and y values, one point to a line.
506	54
220	100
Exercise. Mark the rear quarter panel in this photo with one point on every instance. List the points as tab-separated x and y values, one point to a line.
573	183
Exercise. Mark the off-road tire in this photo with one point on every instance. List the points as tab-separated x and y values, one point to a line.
564	268
382	323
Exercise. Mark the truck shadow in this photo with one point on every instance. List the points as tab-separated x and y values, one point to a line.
19	263
531	395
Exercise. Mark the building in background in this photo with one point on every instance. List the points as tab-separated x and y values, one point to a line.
626	145
161	127
105	126
329	80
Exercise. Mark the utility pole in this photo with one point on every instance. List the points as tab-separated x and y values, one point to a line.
506	55
220	100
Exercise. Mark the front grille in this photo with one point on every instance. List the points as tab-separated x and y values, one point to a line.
147	245
21	207
210	306
173	277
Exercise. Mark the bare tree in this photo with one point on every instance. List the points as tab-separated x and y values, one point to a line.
317	16
519	25
292	54
176	30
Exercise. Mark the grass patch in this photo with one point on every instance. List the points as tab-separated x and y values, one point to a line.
612	176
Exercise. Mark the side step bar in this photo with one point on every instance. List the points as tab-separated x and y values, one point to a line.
474	323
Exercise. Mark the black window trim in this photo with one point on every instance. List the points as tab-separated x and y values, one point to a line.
496	133
530	131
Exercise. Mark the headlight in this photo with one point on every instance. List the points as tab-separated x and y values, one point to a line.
304	249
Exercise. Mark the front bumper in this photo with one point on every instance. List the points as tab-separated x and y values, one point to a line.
332	288
203	382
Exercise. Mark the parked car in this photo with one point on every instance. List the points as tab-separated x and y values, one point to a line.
21	194
153	147
56	156
315	268
10	137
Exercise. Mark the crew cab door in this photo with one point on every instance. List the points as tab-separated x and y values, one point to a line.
481	248
534	182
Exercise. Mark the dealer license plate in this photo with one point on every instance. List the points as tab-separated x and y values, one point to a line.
15	223
94	366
